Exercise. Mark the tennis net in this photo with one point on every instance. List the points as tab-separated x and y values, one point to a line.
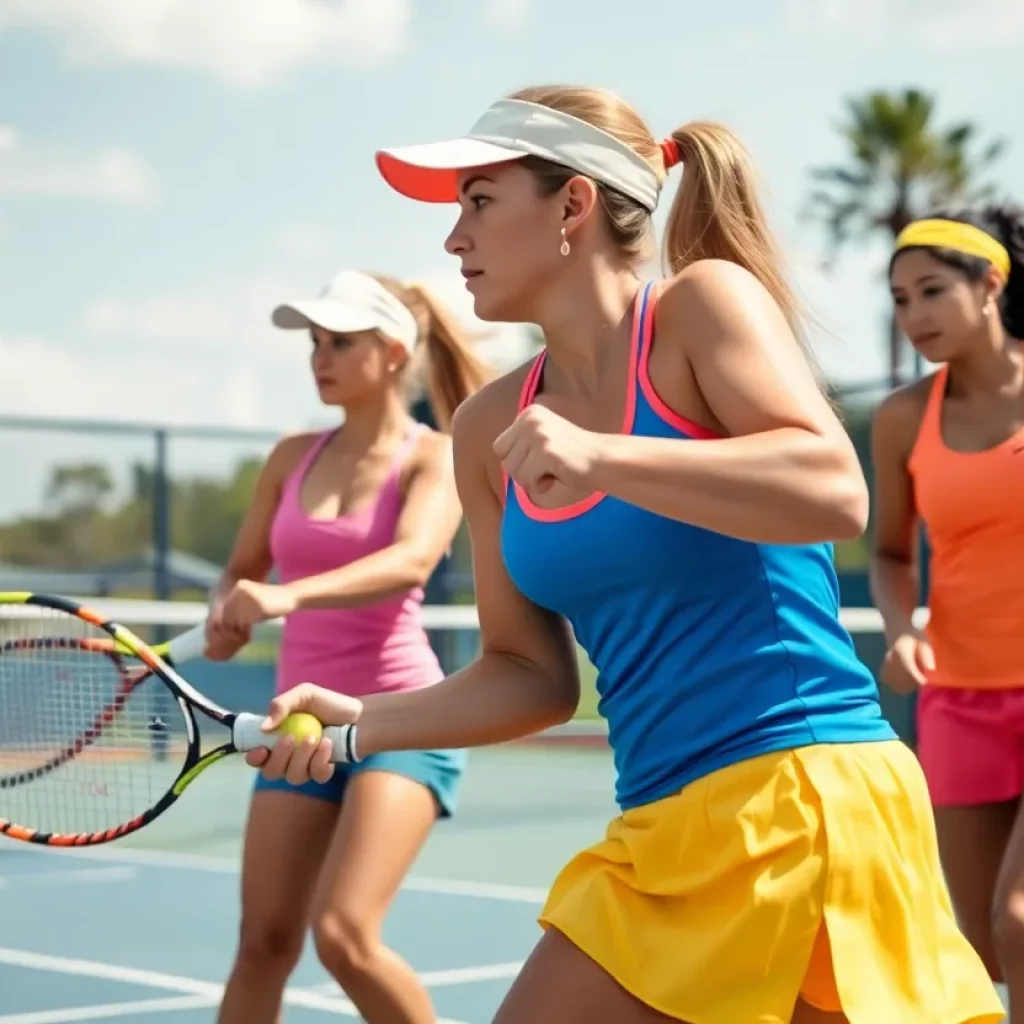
247	681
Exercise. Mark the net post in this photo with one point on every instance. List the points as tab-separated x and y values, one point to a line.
161	521
161	577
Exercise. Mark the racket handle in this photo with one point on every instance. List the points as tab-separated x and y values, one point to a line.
246	734
187	646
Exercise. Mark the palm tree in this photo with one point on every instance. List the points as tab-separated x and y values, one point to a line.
901	165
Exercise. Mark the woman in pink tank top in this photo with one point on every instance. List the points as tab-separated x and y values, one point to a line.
949	455
353	521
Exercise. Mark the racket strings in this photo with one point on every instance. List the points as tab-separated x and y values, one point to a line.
84	747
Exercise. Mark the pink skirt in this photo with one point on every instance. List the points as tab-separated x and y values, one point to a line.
971	744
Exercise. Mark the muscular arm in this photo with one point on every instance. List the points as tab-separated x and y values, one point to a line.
526	677
786	472
894	571
426	526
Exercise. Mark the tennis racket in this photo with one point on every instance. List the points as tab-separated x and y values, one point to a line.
98	731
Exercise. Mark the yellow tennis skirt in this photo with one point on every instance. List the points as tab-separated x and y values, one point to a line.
811	873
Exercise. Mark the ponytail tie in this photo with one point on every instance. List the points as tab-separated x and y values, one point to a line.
670	153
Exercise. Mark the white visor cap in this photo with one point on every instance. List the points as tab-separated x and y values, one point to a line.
352	301
510	130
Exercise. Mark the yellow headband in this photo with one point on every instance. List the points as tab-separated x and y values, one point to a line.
951	234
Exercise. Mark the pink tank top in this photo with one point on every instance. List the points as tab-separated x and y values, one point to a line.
370	649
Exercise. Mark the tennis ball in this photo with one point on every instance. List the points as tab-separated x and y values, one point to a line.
299	725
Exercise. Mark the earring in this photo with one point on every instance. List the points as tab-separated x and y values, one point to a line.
564	247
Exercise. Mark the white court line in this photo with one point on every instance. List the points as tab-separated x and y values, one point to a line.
468	975
126	855
230	866
74	876
110	1010
441	979
109	972
169	982
476	890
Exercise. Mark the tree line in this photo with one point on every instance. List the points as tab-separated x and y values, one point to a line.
85	525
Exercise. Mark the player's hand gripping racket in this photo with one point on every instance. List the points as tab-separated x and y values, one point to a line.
98	734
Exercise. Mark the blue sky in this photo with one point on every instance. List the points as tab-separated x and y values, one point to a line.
170	169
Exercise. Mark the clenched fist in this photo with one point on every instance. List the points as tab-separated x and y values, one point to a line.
541	448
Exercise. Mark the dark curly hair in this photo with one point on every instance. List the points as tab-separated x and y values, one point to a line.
1005	223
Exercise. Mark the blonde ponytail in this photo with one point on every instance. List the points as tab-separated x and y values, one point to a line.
444	356
453	370
716	214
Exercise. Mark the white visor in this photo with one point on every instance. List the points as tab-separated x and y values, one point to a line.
510	130
351	302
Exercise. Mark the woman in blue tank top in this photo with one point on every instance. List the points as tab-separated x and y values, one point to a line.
664	482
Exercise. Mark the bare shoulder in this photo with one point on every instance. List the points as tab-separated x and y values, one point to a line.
748	364
897	419
716	286
293	446
717	300
718	312
430	458
713	274
493	407
288	452
482	417
433	448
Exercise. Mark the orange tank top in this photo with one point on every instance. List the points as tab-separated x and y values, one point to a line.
972	505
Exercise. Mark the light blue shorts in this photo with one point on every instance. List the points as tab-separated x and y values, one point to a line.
440	771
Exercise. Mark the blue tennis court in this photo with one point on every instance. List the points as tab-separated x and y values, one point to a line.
145	929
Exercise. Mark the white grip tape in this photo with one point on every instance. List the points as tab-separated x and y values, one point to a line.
343	742
247	735
188	646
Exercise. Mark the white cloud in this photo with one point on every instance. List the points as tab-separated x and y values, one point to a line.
40	378
189	319
509	15
941	24
231	317
114	174
234	317
244	42
207	356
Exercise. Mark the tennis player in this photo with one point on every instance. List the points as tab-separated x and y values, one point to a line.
949	454
666	478
354	521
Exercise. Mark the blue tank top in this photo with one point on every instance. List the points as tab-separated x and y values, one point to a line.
709	650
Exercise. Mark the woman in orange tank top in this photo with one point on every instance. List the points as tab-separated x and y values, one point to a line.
949	454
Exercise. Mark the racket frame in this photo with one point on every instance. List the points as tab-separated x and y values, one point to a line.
185	695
